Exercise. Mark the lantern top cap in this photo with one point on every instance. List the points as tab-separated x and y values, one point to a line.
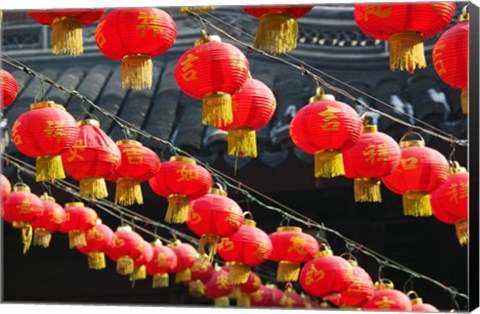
73	204
124	228
350	258
46	197
320	95
420	142
416	299
46	104
128	142
99	221
88	122
21	187
249	222
369	128
289	229
184	159
384	284
156	243
217	191
326	251
456	168
207	38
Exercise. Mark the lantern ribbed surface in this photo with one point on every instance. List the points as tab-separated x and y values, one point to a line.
9	88
50	221
126	247
5	186
78	219
388	300
98	239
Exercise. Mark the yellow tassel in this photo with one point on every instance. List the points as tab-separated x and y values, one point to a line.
160	280
138	273
196	288
42	237
235	294
222	302
210	240
328	164
128	191
217	109
198	10
417	204
49	168
137	72
243	300
461	228
238	273
125	265
243	142
183	275
93	187
367	190
27	234
96	260
67	36
76	238
288	271
177	210
277	33
464	98
406	51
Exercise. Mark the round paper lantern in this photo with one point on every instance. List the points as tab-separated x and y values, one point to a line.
405	26
163	261
21	208
126	247
180	180
374	156
93	157
218	288
277	29
5	187
212	217
291	299
290	248
98	239
450	202
418	305
138	164
45	132
135	36
139	264
386	298
212	71
201	271
252	107
186	256
262	297
9	88
78	219
244	290
247	247
326	128
277	295
421	171
450	57
50	221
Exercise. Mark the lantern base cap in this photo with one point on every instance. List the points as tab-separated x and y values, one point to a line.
128	192
138	273
96	260
210	240
222	302
184	275
243	142
417	204
406	51
461	229
137	72
42	237
93	187
76	238
277	33
329	164
464	100
67	36
217	109
367	190
160	280
196	288
125	265
288	271
238	273
49	168
178	207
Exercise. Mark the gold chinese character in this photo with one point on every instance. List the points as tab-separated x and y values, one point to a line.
194	217
329	119
56	217
134	155
93	234
55	130
441	7
200	266
374	153
286	301
257	295
17	139
232	217
150	21
238	61
377	10
118	242
261	250
187	174
162	260
25	207
408	163
314	275
100	37
298	244
385	303
463	190
74	151
225	245
439	65
188	73
222	282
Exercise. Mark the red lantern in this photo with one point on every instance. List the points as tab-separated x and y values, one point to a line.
139	264
252	107
218	288
21	208
290	248
93	157
405	26
326	128
45	132
67	25
78	219
135	36
98	239
52	218
126	247
247	247
180	180
186	256
421	171
386	298
450	57
450	202
201	271
212	217
262	297
138	164
212	71
244	290
418	305
9	88
277	29
5	187
163	261
374	156
291	298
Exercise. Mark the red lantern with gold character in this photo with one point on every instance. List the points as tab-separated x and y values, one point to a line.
180	180
374	156
138	164
212	71
9	88
243	291
386	298
405	26
247	247
186	256
98	239
450	202
277	29
92	158
201	271
50	221
421	171
78	219
218	288
21	208
291	247
126	247
163	261
326	128
135	36
5	187
418	305
139	264
45	132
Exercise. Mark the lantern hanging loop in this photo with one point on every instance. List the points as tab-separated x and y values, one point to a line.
289	285
408	281
384	283
453	296
465	16
249	214
19	176
220	187
286	220
85	115
324	242
350	247
404	142
381	267
349	257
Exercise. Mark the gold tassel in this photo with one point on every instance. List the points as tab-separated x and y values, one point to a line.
235	294
277	33
67	36
406	51
217	109
243	300
125	265
222	301
49	168
464	98
328	164
196	288
238	273
138	273
137	72
367	190
417	204
27	234
288	271
198	10
461	229
96	260
183	275
177	210
42	237
160	280
93	187
76	238
128	191
243	142
210	240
